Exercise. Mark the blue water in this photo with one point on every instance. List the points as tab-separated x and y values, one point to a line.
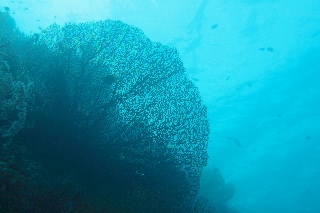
256	64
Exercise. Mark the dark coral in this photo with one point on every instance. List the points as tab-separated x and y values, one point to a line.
117	111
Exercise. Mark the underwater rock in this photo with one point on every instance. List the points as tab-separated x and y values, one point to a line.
215	189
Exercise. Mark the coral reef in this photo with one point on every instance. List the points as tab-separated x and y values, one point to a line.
108	110
15	89
150	112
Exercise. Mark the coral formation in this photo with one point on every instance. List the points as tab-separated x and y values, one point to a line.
106	105
151	112
15	90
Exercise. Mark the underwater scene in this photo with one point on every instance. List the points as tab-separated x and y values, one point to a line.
159	106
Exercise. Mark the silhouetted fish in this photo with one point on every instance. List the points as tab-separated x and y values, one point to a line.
7	9
262	49
214	26
308	137
235	140
270	49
